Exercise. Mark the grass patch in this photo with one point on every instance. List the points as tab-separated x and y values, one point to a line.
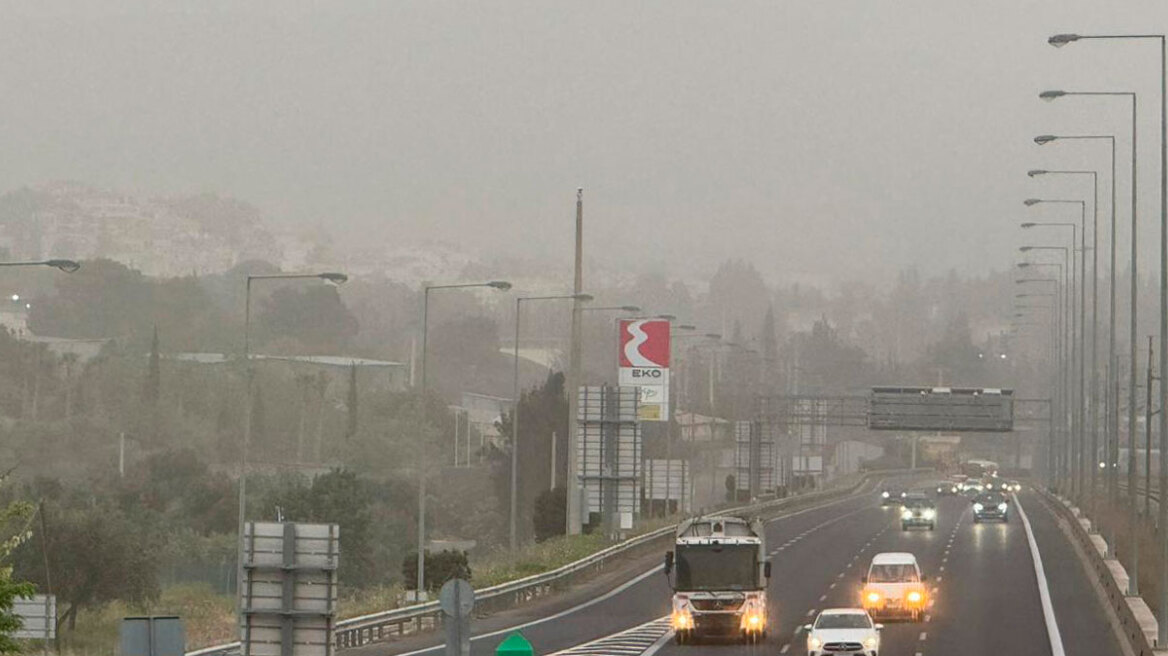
502	567
208	618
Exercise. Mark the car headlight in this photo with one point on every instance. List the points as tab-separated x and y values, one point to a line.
1002	506
903	495
884	494
930	513
977	507
906	514
870	643
814	643
954	490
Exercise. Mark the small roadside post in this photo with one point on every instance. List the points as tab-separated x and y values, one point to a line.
457	601
515	645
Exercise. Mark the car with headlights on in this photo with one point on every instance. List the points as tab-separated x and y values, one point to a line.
991	506
948	488
894	587
1012	486
892	496
971	488
918	511
843	632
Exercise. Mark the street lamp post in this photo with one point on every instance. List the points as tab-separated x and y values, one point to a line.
1093	408
1054	354
513	531
500	285
1066	315
1078	441
1060	40
1113	428
1057	360
329	277
67	266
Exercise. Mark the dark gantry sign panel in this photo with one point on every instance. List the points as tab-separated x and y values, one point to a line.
956	409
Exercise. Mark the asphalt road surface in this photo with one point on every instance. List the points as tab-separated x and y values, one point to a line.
984	591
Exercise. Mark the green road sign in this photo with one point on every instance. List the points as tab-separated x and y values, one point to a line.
515	645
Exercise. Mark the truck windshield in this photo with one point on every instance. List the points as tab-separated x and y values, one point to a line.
715	567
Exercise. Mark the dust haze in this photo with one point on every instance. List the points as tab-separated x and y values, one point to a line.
819	141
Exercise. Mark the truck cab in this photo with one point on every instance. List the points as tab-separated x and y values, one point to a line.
719	574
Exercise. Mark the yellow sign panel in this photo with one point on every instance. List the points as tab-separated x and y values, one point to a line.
649	412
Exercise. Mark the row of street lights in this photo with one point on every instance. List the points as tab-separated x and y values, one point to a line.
1075	459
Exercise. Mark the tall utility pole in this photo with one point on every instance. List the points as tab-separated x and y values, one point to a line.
573	377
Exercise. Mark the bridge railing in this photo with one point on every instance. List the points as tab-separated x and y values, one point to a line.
385	625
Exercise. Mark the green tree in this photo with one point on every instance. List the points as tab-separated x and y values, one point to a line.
543	414
96	554
550	513
312	315
15	520
440	568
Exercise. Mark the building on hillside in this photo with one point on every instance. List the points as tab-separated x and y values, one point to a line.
66	219
484	412
693	427
380	375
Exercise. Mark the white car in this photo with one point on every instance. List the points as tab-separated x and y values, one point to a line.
843	632
894	587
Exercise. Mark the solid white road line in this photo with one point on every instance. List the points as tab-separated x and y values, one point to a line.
1052	630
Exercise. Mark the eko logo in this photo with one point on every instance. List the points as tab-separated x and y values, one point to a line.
644	343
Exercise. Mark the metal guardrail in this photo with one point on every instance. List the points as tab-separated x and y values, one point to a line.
1116	597
381	626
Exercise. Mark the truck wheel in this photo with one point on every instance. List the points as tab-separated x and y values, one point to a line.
903	526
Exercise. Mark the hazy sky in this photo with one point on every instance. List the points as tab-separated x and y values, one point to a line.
817	139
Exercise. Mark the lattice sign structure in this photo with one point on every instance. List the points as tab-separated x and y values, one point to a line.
609	452
754	458
667	480
949	409
289	591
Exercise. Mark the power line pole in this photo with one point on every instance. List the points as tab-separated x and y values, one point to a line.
573	377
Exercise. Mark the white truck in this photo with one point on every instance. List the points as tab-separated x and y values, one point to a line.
719	574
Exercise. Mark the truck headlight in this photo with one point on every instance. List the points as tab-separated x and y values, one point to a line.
915	597
872	597
977	507
884	494
930	513
906	514
1002	506
682	620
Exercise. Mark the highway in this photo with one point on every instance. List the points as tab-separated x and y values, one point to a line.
985	594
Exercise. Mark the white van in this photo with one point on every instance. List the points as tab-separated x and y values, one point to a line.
894	587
